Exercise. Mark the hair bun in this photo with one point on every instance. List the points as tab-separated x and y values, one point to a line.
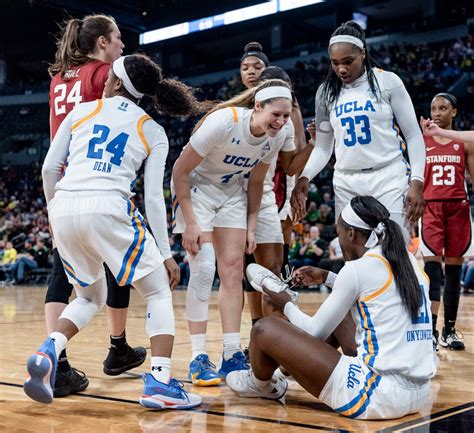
253	46
354	25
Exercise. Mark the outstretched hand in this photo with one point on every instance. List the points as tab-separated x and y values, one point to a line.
309	275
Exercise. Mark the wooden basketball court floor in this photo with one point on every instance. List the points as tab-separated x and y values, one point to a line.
110	403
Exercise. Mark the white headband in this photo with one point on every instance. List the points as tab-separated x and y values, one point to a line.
350	217
346	38
273	92
119	69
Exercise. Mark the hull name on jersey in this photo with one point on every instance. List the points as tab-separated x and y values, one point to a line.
443	158
352	375
71	73
240	161
105	167
352	106
418	335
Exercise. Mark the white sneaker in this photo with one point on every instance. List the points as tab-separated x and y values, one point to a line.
261	277
242	383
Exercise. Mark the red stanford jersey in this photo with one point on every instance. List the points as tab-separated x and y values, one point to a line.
80	84
444	171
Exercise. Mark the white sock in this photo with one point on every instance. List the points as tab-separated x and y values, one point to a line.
198	345
262	384
60	342
161	368
231	344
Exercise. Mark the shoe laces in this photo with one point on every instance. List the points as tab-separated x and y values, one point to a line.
178	386
78	372
288	274
455	335
206	364
240	360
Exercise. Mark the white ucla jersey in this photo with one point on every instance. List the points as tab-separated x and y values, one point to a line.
365	132
388	340
108	146
229	150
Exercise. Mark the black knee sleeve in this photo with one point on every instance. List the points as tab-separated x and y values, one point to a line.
249	258
435	274
59	288
117	296
452	291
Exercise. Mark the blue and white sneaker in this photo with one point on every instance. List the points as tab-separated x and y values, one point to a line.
41	367
202	372
159	395
237	362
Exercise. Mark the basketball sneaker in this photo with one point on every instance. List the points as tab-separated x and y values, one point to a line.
116	363
451	340
159	395
69	382
261	277
202	372
236	363
41	367
243	384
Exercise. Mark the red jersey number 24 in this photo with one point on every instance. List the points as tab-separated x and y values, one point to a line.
73	97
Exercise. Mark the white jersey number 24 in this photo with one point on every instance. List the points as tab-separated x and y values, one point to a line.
73	97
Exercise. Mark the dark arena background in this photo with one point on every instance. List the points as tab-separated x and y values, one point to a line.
429	44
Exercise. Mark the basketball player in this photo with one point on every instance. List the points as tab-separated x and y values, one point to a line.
269	234
252	63
356	107
236	139
446	223
272	242
93	220
84	53
383	287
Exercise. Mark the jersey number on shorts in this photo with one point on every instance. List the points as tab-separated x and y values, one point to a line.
358	130
73	97
424	314
444	175
116	146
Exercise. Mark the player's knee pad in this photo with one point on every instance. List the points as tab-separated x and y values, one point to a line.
160	315
435	274
202	268
89	301
154	285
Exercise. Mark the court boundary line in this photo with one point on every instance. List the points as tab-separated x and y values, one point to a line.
428	419
206	412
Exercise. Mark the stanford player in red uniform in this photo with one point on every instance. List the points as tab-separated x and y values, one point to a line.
446	222
84	52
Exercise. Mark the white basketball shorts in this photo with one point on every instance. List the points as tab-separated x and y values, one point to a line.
388	184
215	206
92	229
268	229
355	391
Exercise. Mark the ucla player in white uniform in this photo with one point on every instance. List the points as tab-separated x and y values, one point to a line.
238	138
103	144
386	292
358	108
269	235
